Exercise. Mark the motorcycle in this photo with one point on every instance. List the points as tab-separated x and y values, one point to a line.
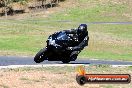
57	49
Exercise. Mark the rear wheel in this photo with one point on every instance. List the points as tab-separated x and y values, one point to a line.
66	60
40	56
73	57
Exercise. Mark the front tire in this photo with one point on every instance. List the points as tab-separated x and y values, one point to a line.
40	56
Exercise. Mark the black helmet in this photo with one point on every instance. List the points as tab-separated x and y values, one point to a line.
82	27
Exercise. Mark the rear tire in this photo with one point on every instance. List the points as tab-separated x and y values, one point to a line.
66	60
40	56
74	57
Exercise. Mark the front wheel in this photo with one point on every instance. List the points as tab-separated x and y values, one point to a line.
40	56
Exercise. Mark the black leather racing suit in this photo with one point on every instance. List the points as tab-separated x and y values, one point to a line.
82	39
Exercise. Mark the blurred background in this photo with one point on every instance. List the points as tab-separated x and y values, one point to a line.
26	24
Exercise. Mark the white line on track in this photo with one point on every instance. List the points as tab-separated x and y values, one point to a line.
52	65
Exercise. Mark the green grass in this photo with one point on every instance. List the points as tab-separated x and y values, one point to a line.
87	12
117	30
20	42
107	41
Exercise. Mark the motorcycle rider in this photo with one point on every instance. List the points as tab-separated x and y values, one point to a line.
80	35
77	40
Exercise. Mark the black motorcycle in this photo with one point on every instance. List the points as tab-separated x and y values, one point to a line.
57	49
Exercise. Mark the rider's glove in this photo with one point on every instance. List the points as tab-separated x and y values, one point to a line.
69	48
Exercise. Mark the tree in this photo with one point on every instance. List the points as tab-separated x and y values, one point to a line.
6	2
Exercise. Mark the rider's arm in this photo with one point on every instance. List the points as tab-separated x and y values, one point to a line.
82	44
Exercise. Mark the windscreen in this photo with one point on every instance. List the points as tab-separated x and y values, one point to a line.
62	36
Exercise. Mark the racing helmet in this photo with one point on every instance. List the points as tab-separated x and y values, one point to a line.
82	28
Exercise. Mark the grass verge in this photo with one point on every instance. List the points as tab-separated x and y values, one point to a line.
58	77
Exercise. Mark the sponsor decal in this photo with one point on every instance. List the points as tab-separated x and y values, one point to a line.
82	77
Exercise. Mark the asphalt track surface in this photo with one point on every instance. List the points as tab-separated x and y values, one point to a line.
15	60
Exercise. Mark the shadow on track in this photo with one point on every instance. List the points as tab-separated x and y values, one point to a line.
75	63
